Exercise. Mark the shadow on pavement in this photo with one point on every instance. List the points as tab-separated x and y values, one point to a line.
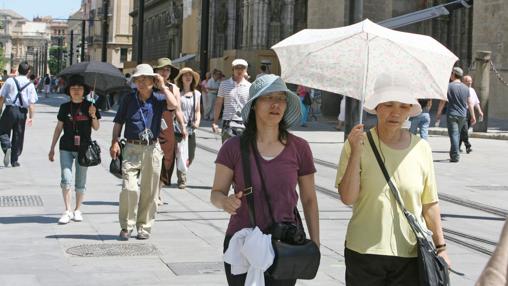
472	217
100	203
28	219
84	236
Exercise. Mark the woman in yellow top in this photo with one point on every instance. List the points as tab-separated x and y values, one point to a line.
380	246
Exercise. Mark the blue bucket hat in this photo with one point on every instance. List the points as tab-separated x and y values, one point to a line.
271	83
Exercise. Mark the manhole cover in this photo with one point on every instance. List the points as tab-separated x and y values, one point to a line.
196	268
110	249
490	188
21	201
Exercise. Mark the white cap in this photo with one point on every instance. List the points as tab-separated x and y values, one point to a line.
240	62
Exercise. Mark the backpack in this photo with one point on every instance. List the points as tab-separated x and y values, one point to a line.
47	80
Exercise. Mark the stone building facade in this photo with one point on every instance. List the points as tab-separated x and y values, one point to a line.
119	41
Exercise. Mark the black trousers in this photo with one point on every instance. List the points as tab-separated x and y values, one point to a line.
239	280
380	270
464	136
13	120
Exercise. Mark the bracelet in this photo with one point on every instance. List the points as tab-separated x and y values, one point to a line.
441	246
441	250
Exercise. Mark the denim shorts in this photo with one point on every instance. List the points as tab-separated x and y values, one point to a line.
66	160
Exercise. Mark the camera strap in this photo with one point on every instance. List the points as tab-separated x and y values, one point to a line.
248	190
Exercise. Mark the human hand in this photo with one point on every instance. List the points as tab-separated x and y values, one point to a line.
473	121
215	128
231	203
444	254
185	134
114	150
159	81
29	122
356	138
92	110
437	123
51	155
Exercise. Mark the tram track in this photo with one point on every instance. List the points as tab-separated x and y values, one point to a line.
469	241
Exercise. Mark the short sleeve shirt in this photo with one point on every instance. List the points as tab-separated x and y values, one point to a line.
235	96
458	94
76	122
9	92
474	96
281	177
138	115
212	84
378	226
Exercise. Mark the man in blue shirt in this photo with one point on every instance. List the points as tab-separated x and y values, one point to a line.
141	113
19	96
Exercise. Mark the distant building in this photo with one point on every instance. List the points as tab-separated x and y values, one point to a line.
119	41
23	40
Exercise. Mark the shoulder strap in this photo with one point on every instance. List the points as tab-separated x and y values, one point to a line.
415	226
265	190
248	191
18	95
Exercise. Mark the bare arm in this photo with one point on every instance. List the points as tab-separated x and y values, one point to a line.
114	150
197	112
179	113
440	109
220	189
349	188
470	106
432	215
31	112
216	112
310	205
1	103
56	135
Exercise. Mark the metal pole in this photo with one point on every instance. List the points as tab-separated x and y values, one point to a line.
141	14
352	105
105	29
203	57
71	51
83	27
46	57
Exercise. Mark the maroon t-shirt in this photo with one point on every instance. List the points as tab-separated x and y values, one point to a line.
281	178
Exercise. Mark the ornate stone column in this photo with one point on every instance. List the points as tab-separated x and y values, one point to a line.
288	12
230	36
211	30
246	24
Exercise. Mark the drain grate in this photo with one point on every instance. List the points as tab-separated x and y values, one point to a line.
196	268
490	188
21	201
113	249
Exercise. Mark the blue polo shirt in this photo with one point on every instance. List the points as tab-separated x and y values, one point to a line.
130	110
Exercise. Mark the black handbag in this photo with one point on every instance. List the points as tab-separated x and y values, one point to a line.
115	167
296	257
433	269
89	154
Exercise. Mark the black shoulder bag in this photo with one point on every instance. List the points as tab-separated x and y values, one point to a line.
295	256
89	154
433	269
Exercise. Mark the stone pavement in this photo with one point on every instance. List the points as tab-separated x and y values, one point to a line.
186	245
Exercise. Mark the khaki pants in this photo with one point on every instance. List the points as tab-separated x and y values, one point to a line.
138	208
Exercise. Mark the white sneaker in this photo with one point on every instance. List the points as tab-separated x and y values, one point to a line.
78	216
65	218
7	157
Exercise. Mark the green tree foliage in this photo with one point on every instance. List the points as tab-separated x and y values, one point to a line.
56	66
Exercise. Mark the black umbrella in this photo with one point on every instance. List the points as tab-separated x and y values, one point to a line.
101	77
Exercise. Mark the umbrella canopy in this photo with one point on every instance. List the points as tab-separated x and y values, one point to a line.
348	60
101	77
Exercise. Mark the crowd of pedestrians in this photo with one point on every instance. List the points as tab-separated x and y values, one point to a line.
260	164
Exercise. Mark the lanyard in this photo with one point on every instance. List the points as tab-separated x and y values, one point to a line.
73	116
145	123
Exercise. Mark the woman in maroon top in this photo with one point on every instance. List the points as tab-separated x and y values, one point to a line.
285	162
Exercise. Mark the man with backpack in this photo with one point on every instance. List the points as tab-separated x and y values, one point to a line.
19	96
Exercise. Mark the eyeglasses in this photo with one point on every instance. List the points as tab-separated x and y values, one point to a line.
281	98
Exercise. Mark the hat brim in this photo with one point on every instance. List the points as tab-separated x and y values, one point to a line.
293	113
398	95
195	75
134	76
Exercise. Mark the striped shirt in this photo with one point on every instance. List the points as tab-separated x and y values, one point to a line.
235	96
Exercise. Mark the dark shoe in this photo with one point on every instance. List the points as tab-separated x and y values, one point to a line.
469	150
15	164
461	150
454	160
142	235
125	234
